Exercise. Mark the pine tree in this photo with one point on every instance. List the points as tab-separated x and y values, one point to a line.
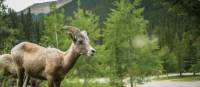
123	24
7	32
178	52
28	25
86	20
52	34
87	68
196	66
169	60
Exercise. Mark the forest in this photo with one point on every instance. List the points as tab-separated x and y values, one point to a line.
133	38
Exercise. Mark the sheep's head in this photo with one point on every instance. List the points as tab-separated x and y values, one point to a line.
81	41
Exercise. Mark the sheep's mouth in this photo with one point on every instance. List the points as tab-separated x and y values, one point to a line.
90	54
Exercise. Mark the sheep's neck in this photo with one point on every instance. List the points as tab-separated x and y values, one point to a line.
70	58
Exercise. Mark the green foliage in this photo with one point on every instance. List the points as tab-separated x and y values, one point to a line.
146	54
169	60
183	7
2	8
117	33
86	20
124	26
196	67
53	34
176	28
90	67
7	32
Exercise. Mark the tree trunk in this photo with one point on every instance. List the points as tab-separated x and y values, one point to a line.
181	74
56	39
167	74
85	81
131	80
194	73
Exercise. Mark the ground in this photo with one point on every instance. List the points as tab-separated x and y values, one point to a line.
171	83
174	80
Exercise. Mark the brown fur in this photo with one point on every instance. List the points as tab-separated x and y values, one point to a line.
50	64
7	64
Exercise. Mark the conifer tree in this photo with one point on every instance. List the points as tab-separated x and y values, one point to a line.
87	68
123	24
7	32
53	34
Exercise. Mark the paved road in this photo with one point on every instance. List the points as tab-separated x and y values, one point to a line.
168	83
162	83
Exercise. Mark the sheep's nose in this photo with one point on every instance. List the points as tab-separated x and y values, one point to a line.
93	51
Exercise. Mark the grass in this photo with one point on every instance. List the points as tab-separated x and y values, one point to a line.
44	84
180	78
76	83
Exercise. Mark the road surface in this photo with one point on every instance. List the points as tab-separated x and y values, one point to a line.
169	83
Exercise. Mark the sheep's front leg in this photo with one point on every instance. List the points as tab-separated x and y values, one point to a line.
20	74
50	81
35	83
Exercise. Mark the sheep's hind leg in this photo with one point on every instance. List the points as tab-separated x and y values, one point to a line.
57	83
27	78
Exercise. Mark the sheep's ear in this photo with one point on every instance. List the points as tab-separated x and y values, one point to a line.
73	32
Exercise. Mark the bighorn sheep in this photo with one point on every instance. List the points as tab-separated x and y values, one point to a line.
50	64
8	66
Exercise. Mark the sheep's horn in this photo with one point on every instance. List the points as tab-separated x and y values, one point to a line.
70	28
66	27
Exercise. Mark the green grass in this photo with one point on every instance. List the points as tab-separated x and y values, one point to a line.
76	83
180	78
86	85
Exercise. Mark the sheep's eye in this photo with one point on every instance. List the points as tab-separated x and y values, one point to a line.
80	42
